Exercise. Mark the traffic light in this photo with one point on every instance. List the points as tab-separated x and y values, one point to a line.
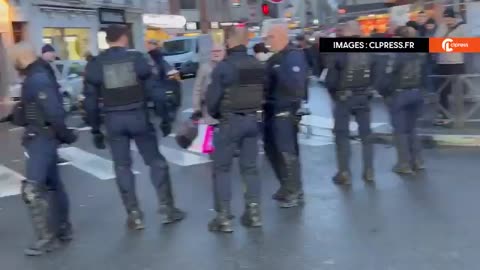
265	9
270	9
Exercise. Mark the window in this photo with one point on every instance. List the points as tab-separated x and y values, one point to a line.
175	47
188	4
76	68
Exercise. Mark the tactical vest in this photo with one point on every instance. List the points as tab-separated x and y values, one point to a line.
246	94
409	74
356	73
120	84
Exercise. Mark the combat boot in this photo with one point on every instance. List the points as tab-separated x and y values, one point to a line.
369	175
252	216
403	155
135	220
168	212
222	222
367	155
65	232
416	150
342	145
342	178
293	183
37	204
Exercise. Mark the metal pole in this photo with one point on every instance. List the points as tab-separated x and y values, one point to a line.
174	6
204	16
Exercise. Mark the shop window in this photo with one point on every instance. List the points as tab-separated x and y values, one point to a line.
188	4
18	31
69	43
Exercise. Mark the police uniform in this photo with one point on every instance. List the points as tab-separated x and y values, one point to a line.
121	79
402	80
348	80
235	97
45	130
286	77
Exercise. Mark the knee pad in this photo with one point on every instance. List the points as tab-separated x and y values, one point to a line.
31	192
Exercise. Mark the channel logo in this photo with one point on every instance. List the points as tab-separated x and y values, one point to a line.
446	44
454	45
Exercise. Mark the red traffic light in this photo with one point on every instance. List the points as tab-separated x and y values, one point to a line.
265	9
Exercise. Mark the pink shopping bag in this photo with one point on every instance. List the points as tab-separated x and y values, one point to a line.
208	141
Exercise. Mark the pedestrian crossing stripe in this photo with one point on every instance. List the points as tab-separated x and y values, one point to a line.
179	157
90	163
10	182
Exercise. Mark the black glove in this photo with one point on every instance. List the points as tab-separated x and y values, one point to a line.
196	115
69	137
166	128
98	140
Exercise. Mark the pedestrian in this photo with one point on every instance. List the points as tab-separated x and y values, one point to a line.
287	73
200	86
262	53
449	63
155	52
117	77
235	97
348	81
400	86
45	130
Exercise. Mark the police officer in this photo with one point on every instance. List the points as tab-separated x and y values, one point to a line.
285	86
348	81
235	98
400	87
43	116
118	77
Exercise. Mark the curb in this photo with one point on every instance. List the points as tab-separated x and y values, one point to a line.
432	140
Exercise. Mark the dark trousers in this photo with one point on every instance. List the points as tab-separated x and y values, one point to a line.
359	107
236	132
405	108
450	69
42	171
123	126
282	150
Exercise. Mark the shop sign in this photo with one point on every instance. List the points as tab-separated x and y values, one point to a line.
192	26
214	25
111	16
164	21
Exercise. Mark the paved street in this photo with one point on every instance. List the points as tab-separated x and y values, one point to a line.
424	222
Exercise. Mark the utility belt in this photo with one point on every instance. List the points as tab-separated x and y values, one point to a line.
257	114
345	94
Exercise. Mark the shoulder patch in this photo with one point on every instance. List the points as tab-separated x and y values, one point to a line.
296	69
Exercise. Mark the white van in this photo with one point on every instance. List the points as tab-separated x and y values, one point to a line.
183	54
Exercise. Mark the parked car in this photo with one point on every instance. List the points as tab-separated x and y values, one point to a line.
69	75
183	54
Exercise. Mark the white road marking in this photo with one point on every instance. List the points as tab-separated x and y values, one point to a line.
10	182
83	129
179	157
90	163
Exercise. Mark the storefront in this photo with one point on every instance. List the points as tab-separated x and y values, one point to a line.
161	27
70	30
5	38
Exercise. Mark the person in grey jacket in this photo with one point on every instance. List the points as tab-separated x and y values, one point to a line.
201	83
449	63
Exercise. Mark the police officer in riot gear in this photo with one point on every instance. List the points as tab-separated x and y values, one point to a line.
400	86
41	112
235	98
348	81
286	77
120	79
